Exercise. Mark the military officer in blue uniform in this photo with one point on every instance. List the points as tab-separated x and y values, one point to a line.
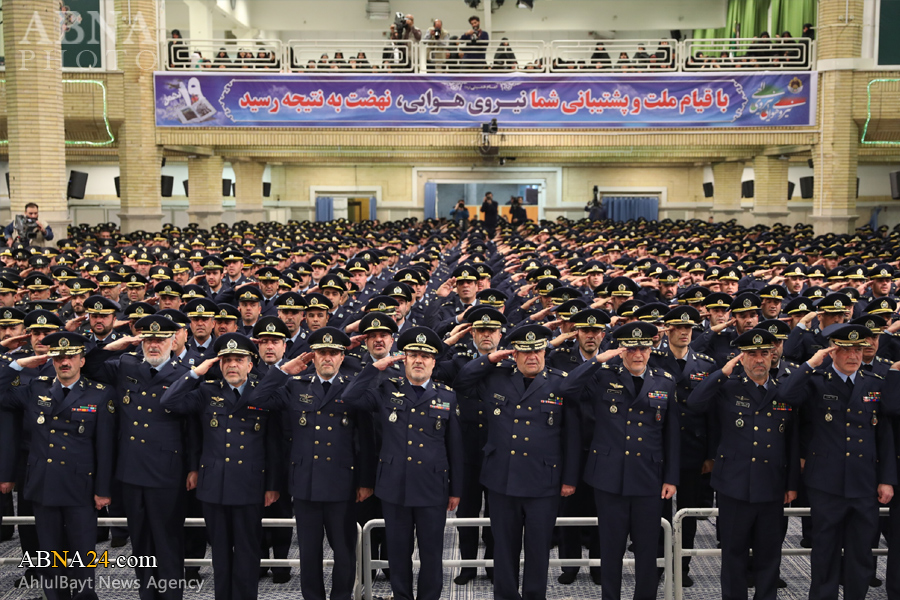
633	464
689	368
485	329
589	326
806	339
238	462
850	463
757	464
528	461
156	458
201	312
70	469
332	459
419	474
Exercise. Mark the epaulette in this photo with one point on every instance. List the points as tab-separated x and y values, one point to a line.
304	377
209	381
43	378
396	379
559	372
872	374
794	365
882	360
658	352
97	385
443	386
706	357
665	374
135	353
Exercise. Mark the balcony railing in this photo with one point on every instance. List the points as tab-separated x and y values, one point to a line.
613	55
460	56
780	54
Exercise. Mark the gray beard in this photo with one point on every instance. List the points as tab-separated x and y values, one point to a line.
157	361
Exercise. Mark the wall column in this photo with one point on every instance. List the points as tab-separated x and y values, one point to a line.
770	189
248	197
727	190
139	156
35	115
836	155
205	176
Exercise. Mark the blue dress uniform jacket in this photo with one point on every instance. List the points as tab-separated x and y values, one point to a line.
696	436
803	343
421	457
717	345
635	448
154	445
333	449
70	459
238	460
758	456
849	452
527	453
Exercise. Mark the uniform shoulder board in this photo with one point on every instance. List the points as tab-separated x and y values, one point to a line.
706	357
43	378
99	386
872	374
658	352
882	360
132	354
666	374
303	335
209	381
793	365
394	380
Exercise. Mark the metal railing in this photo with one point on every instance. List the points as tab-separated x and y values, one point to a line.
495	56
352	56
692	513
504	56
368	563
780	54
231	55
613	55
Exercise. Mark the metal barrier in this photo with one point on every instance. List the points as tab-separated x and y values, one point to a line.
356	56
230	55
613	55
459	56
690	513
779	54
207	562
369	563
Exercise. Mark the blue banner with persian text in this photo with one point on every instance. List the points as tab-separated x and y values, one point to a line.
688	100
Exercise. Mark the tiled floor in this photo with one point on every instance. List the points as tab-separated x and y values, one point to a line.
705	572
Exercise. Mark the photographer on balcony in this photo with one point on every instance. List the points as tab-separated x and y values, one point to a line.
32	228
476	48
408	30
437	47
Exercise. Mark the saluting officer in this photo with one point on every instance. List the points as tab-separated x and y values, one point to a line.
238	462
420	465
689	368
633	463
528	461
156	459
589	327
70	470
757	464
850	460
332	459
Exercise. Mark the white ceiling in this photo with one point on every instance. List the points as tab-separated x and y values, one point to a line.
345	18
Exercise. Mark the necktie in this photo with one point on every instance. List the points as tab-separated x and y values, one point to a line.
762	389
850	385
66	391
419	390
681	363
638	384
326	385
288	346
237	394
153	372
527	381
867	367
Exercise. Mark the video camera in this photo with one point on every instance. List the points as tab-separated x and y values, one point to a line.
26	227
400	22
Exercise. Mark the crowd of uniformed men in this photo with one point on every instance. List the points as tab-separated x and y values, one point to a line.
337	373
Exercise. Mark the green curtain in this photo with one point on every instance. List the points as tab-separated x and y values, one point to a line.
790	15
751	15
